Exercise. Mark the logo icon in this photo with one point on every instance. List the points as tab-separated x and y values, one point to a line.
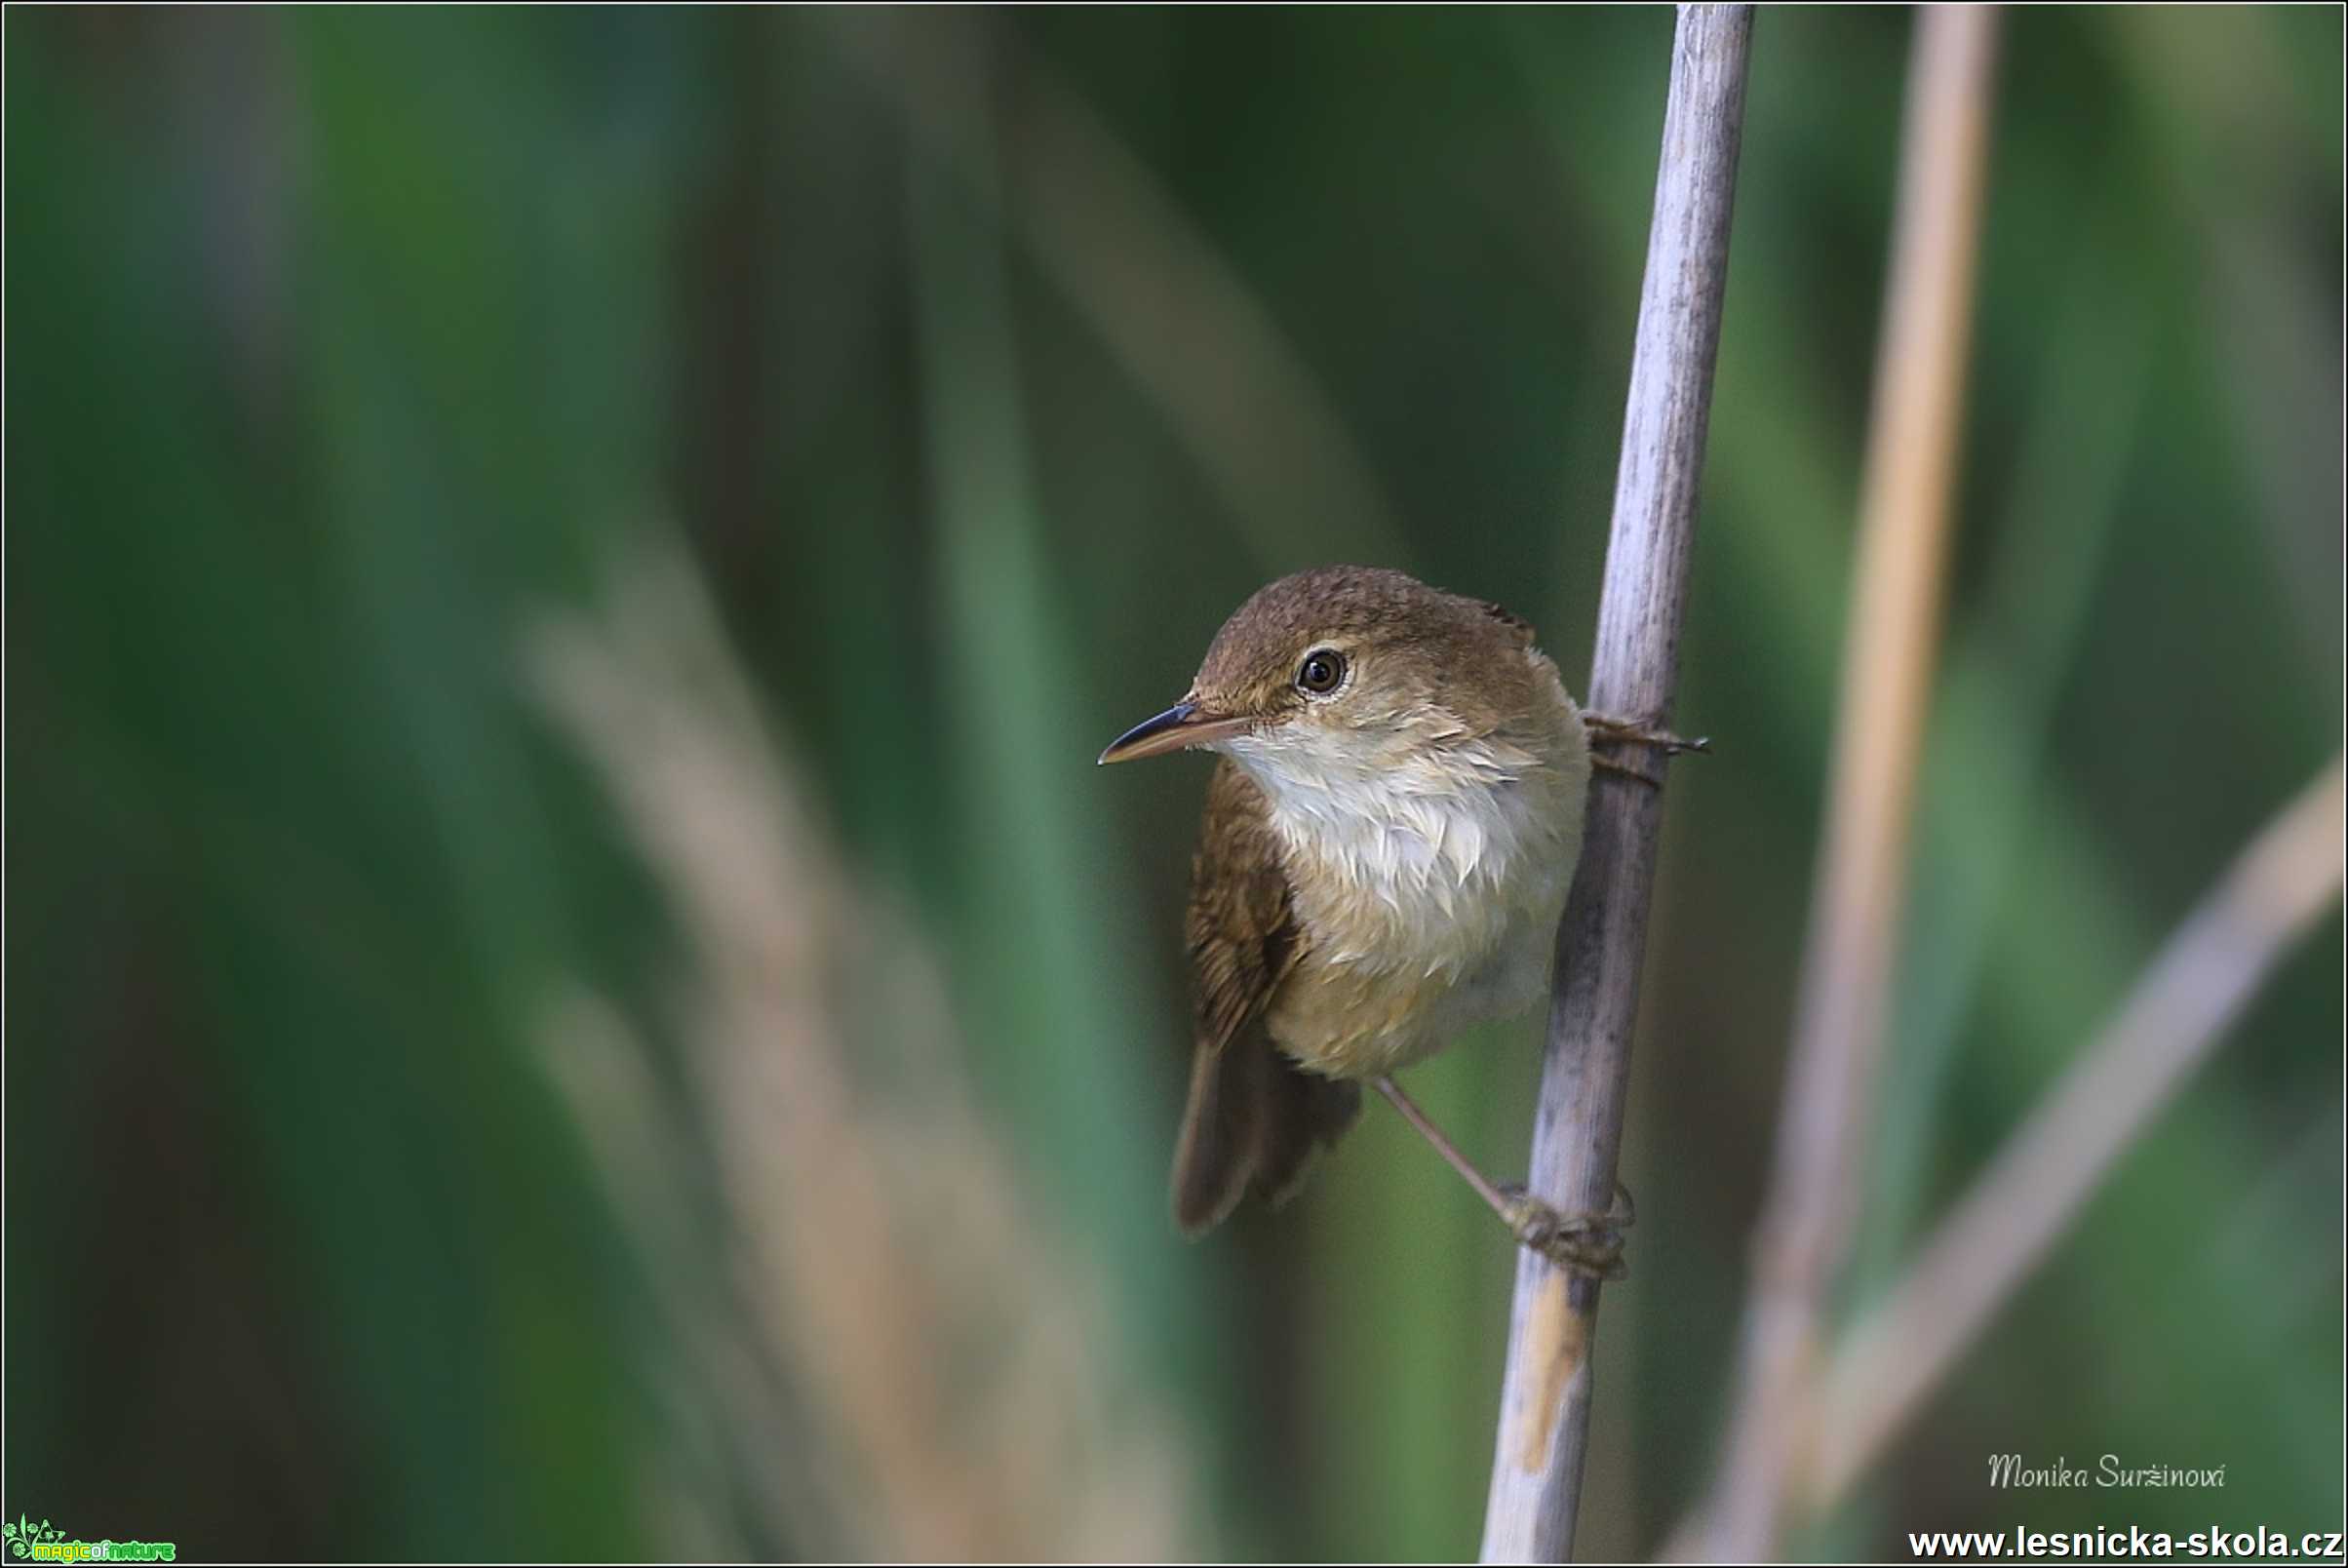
46	1542
22	1535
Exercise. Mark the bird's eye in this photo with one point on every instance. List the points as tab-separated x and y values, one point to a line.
1321	673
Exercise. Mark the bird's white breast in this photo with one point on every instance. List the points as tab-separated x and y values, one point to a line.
1426	876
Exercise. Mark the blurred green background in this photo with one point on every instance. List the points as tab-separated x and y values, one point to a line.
573	989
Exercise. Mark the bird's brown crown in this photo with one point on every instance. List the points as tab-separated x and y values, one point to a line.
1391	642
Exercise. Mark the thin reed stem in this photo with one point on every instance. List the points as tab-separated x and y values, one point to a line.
1578	1131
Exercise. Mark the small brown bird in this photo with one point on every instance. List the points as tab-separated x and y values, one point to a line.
1389	835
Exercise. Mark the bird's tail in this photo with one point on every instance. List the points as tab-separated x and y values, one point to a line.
1253	1122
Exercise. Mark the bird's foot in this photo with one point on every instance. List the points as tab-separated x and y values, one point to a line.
1588	1245
1607	726
1606	729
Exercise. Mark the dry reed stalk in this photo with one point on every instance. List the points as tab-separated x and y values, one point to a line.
1861	883
2174	1018
902	1359
1544	1428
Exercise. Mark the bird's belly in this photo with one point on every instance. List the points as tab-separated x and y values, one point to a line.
1426	892
1354	1019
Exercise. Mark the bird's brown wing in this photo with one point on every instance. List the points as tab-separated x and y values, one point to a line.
1254	1117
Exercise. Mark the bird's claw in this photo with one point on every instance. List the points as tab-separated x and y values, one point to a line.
1608	729
1588	1245
1633	732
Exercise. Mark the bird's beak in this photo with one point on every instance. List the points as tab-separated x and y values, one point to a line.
1186	724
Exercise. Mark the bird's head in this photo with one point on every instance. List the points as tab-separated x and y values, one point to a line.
1346	669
